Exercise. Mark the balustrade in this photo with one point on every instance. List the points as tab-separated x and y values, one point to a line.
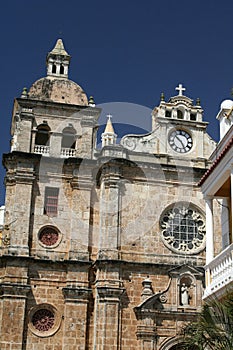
68	152
45	150
220	271
41	149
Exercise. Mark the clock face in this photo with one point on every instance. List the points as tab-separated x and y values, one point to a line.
180	141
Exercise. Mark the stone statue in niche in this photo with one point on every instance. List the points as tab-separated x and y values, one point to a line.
184	294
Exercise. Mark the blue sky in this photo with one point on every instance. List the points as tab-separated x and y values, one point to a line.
122	51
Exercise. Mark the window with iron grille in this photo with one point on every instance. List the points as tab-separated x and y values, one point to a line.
51	201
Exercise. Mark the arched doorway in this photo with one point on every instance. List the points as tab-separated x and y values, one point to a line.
176	343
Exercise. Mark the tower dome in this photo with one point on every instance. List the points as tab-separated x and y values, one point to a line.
58	90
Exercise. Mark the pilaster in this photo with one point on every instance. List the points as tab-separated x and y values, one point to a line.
81	184
107	318
19	182
25	128
209	230
13	300
55	144
75	317
110	198
146	333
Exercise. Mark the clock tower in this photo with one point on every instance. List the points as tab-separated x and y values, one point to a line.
178	130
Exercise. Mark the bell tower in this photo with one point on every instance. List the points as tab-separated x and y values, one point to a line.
47	212
58	61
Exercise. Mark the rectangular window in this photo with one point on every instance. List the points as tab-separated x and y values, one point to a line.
51	201
193	116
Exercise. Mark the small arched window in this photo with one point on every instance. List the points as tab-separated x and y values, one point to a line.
61	69
180	114
168	114
43	135
193	116
54	68
68	138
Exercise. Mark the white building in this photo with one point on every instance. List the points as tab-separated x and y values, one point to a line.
217	188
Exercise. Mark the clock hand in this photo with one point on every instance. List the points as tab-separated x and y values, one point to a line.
180	140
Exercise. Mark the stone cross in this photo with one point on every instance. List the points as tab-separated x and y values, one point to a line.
180	88
109	116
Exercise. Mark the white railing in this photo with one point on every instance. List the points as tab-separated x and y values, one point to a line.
219	272
41	149
45	150
68	152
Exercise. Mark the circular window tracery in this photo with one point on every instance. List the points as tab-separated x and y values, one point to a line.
49	237
183	229
44	320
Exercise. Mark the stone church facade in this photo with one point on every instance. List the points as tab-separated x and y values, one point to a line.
100	248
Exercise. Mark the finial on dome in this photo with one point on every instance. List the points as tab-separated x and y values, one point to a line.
198	102
162	98
24	93
91	101
108	136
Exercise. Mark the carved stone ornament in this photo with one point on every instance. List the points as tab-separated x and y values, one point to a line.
140	143
163	298
183	229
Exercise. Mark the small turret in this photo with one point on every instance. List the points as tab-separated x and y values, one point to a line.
58	61
108	136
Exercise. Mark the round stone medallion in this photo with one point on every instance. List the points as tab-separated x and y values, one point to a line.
49	236
44	320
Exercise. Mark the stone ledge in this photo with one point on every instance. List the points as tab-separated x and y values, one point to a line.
14	290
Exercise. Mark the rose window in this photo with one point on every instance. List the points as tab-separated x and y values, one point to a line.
183	229
49	236
43	320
